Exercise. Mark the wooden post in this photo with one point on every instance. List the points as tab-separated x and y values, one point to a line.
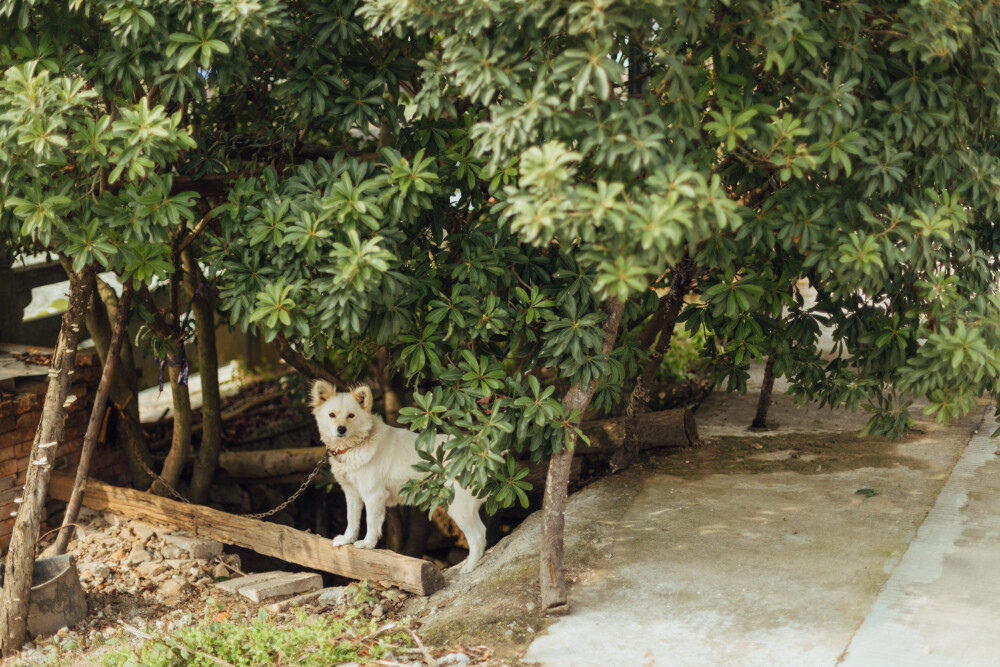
119	333
14	597
271	539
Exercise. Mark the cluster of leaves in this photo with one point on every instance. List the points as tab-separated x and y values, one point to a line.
854	146
306	640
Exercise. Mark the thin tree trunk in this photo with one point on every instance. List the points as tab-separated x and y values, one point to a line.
119	333
552	571
180	443
639	398
15	596
764	401
125	388
203	307
310	369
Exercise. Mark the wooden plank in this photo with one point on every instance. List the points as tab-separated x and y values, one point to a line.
392	569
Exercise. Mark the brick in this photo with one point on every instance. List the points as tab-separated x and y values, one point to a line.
8	467
287	584
6	453
28	421
7	423
234	585
23	449
6	483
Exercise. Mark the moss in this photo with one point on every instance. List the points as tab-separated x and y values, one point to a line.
804	453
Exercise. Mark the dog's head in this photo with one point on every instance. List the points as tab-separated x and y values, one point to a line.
344	418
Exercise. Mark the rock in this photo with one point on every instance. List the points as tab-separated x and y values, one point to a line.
331	597
143	530
95	569
178	563
196	547
139	555
118	555
220	570
112	520
150	570
173	588
171	552
454	659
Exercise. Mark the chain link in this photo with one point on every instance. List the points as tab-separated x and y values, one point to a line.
260	515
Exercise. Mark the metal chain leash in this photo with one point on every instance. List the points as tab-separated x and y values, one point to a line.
291	498
260	515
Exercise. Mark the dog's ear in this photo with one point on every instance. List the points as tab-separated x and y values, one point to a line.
321	392
363	395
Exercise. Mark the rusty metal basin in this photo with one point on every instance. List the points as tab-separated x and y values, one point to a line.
57	599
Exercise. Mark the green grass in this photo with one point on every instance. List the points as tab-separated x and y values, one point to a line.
306	641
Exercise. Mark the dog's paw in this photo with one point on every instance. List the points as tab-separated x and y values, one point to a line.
468	567
341	540
364	544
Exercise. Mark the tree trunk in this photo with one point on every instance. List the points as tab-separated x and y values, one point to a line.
552	572
211	404
119	333
639	398
310	369
15	596
180	443
764	401
125	388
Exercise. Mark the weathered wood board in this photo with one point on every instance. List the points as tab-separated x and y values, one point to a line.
392	569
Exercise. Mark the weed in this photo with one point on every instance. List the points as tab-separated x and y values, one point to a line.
222	639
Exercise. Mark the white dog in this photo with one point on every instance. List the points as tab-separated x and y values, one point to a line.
372	460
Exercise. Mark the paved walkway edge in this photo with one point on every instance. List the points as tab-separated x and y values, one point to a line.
941	605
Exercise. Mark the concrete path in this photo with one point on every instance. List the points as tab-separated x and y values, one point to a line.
714	565
941	606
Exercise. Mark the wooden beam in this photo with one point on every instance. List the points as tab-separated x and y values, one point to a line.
667	428
410	574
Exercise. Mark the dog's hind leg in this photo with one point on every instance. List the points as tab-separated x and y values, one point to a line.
375	511
464	510
354	506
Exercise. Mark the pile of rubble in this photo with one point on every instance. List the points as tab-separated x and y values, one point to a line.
149	563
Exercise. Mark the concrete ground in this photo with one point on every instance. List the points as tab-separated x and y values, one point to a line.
764	566
803	546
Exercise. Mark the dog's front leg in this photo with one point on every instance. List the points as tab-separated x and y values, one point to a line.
375	515
354	505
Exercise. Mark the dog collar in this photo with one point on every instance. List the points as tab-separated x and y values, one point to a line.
338	452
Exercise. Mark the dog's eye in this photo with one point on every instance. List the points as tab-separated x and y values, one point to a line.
350	416
333	415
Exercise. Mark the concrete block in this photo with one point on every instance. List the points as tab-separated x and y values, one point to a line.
196	547
233	585
287	584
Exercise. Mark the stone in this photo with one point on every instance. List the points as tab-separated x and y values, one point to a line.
112	519
171	552
220	570
177	563
453	659
139	555
95	569
174	588
196	547
143	530
150	570
331	597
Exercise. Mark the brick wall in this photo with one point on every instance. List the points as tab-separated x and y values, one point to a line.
19	416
